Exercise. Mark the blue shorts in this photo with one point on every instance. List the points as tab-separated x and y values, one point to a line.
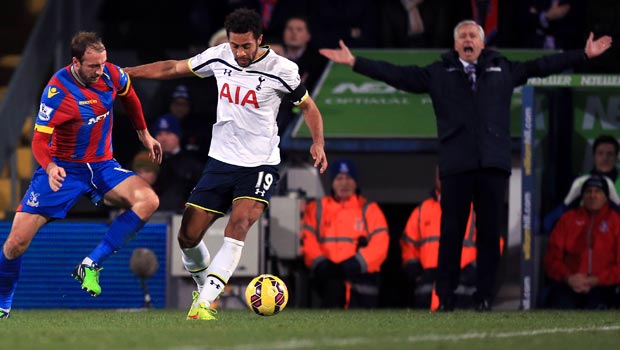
92	179
222	183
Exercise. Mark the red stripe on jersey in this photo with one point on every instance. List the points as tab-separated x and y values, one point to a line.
96	132
66	123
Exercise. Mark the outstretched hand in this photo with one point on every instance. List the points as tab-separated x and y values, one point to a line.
597	47
318	154
154	148
341	55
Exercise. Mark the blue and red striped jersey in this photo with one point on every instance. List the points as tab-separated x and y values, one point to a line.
80	117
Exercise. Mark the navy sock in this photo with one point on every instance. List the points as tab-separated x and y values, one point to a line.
9	274
122	230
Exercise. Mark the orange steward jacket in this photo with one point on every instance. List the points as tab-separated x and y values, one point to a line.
585	243
333	230
420	241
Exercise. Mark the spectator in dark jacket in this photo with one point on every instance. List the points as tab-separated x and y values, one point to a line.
605	155
471	89
179	171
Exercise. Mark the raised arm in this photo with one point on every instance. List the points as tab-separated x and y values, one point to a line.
161	70
596	47
314	121
554	64
342	55
407	78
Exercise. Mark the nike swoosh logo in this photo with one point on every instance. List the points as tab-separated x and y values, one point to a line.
194	317
52	91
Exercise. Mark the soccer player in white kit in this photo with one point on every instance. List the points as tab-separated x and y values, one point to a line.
242	168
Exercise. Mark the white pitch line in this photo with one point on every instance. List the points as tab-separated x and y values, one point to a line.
335	342
488	335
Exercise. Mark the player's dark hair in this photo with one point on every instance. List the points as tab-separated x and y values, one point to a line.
606	139
244	20
85	40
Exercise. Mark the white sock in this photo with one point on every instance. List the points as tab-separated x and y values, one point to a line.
87	261
196	260
222	267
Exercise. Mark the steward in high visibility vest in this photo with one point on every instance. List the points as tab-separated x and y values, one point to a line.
420	250
344	242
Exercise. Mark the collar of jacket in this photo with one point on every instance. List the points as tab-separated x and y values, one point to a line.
353	201
603	213
613	174
451	58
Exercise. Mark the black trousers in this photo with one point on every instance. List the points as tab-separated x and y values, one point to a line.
364	291
599	298
420	288
486	188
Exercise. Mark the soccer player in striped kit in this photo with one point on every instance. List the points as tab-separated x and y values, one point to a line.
241	171
72	143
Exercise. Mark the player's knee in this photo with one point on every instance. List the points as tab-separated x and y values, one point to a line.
148	202
153	201
13	248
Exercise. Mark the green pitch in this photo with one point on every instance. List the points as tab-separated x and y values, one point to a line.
300	329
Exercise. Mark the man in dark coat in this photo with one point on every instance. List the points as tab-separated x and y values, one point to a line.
471	90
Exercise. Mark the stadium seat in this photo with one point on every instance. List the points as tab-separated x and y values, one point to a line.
5	196
25	162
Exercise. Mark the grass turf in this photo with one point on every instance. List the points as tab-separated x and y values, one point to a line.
309	329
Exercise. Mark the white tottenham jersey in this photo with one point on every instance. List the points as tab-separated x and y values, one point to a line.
246	132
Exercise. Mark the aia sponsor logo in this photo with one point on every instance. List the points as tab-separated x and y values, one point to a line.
237	96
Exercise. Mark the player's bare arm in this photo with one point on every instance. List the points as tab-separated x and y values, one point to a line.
312	117
162	70
151	144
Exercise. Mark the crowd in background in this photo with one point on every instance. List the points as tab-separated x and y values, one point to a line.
551	24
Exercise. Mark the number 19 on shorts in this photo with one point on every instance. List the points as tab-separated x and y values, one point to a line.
263	183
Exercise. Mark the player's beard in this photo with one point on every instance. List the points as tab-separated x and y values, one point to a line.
89	80
247	60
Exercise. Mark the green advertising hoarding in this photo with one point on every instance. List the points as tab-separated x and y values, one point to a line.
356	107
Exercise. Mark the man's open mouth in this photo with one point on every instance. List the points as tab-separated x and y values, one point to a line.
468	49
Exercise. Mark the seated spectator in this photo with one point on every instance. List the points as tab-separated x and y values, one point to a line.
420	248
179	171
145	168
196	129
344	242
295	39
605	153
583	255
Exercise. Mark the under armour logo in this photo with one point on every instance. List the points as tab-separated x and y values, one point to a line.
260	81
227	72
261	192
217	285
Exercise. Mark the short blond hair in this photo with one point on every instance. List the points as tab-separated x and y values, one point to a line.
465	23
